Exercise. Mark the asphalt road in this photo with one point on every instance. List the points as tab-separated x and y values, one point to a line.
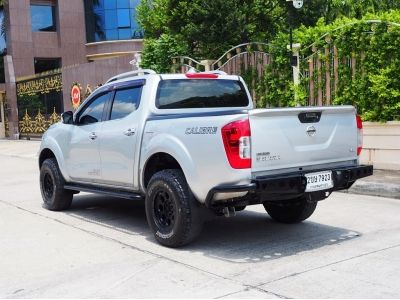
102	247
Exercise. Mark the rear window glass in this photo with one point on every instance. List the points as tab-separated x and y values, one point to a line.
200	93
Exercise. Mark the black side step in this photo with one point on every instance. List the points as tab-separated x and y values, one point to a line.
105	191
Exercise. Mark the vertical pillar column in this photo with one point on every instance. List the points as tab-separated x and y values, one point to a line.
11	94
207	64
2	118
336	67
311	78
296	67
328	77
319	67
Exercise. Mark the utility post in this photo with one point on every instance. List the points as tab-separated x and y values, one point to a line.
207	64
136	61
294	48
295	62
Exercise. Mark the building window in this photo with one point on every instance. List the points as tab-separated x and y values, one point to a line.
43	17
3	45
111	20
47	64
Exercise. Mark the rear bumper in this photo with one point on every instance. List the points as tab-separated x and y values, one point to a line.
287	186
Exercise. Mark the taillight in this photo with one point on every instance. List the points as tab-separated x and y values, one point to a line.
359	134
237	143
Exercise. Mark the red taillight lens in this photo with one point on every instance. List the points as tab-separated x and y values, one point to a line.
359	134
201	76
237	142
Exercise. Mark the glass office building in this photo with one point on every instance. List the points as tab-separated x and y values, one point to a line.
108	20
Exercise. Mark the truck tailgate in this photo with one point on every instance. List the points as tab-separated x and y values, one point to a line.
302	137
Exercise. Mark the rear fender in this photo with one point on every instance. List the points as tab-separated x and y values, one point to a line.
164	143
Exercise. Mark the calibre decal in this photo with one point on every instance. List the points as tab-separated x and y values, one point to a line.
201	130
266	156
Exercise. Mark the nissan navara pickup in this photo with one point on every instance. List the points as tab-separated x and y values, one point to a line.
193	144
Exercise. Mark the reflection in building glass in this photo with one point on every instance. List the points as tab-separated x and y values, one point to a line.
2	33
111	20
43	18
123	18
3	46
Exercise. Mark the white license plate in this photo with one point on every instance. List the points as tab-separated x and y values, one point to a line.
319	181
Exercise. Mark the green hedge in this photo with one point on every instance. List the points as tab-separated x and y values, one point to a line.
375	87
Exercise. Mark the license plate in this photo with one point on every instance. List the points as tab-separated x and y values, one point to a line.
319	181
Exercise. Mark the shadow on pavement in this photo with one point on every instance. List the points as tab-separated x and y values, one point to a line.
250	236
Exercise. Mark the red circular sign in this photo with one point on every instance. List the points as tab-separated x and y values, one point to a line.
75	96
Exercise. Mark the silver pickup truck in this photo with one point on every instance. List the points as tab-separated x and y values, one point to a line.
191	144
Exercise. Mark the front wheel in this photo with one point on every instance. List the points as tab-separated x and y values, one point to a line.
171	210
291	212
55	197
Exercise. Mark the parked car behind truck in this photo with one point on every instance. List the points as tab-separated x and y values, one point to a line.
191	143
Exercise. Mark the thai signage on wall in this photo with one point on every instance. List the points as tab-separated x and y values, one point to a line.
40	86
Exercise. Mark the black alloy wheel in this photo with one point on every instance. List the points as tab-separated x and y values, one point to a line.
48	185
164	210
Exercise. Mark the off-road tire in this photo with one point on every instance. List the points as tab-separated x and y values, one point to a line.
291	212
172	212
55	197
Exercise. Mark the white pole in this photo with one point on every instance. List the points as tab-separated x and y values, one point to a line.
296	68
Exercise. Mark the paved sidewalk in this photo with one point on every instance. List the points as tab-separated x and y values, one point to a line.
383	183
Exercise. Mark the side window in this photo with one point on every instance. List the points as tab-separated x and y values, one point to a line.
125	102
94	111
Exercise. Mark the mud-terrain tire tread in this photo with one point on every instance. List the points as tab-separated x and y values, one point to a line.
62	198
190	221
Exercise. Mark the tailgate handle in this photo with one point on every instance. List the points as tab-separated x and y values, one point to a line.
310	117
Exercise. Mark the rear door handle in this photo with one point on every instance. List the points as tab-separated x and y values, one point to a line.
129	132
93	136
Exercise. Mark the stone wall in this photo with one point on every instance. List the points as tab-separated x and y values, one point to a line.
93	74
381	145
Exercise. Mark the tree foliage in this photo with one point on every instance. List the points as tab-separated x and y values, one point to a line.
374	84
205	29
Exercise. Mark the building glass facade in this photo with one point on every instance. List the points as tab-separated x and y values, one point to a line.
108	20
43	17
3	45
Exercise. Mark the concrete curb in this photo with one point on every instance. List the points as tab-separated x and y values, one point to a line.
387	190
383	183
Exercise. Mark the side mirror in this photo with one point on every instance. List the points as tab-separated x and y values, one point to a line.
67	117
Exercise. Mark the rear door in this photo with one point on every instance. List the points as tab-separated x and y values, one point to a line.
119	135
302	138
